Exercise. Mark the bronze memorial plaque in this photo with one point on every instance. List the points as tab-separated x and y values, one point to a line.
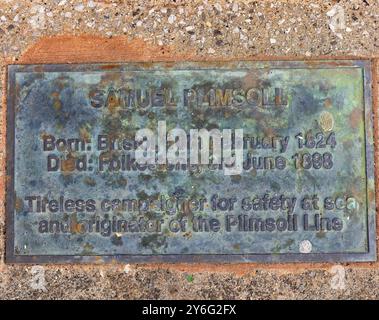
245	161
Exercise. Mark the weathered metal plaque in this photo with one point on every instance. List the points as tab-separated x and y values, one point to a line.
232	161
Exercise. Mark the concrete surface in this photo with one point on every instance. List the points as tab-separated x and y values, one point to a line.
102	31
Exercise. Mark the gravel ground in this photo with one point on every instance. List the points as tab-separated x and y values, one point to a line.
202	29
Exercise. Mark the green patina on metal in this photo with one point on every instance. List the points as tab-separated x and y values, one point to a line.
304	191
